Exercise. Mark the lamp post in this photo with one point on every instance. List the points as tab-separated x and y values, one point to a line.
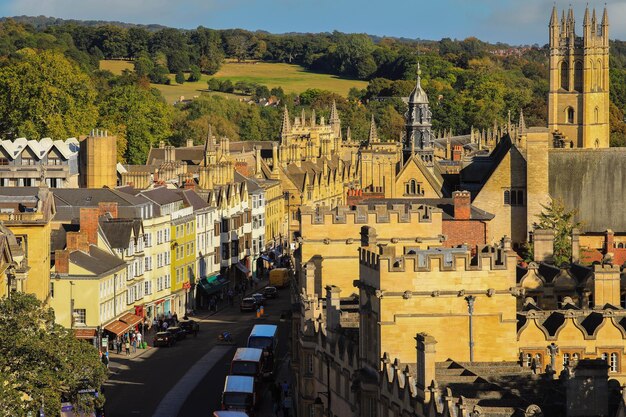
470	309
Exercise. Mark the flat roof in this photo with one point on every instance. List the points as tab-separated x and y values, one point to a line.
248	354
237	383
264	330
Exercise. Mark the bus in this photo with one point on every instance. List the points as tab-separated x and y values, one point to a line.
239	394
248	362
264	336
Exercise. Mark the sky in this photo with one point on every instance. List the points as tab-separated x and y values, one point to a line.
510	21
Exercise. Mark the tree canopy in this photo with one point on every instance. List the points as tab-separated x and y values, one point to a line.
41	363
555	216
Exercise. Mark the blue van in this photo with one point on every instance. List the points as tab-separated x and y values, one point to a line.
265	336
239	394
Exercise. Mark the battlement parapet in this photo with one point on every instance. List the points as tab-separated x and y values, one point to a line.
364	214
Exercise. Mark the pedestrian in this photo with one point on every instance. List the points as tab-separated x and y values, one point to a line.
133	343
165	325
139	339
127	346
175	318
155	324
285	388
105	359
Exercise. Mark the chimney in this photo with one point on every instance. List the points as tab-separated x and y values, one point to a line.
76	241
309	278
609	241
606	285
161	144
189	143
575	245
190	184
104	208
89	223
62	262
543	241
425	363
462	205
257	152
457	152
333	307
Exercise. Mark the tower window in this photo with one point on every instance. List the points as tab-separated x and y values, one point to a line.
564	76
596	114
578	76
513	197
570	115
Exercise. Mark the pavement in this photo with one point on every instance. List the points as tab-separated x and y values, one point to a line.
187	379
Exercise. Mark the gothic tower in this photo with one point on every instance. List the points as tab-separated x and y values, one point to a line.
418	136
578	102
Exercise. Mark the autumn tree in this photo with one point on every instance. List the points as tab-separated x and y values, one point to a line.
45	94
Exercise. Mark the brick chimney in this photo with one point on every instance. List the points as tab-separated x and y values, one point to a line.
62	261
609	241
104	208
77	241
89	223
462	205
543	241
190	184
457	152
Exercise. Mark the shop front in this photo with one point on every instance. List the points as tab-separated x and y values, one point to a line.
208	287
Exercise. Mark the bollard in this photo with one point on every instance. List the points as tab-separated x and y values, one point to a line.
258	313
262	311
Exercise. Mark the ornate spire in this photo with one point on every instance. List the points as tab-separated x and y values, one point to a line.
586	18
554	19
594	21
605	17
334	120
418	95
313	118
373	136
333	112
348	135
303	118
522	122
285	128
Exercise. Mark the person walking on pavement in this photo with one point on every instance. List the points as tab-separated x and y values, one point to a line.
133	343
118	345
139	339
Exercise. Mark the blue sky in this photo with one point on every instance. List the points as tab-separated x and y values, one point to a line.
512	21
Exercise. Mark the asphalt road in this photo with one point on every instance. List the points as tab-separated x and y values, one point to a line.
139	385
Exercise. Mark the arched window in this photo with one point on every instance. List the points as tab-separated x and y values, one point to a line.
613	362
507	197
596	115
569	114
564	76
620	245
528	360
599	83
514	198
413	187
578	76
520	197
565	359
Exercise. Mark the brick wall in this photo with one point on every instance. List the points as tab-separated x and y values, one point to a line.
472	232
89	223
244	169
110	208
355	197
77	241
62	261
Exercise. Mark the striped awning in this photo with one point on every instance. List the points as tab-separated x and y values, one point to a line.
131	319
117	327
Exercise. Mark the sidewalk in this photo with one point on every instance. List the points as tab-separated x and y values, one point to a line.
222	305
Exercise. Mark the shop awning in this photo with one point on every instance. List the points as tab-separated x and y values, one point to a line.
242	268
117	327
131	319
85	333
212	283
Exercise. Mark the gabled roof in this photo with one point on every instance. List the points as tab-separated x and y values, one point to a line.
434	182
162	195
97	261
191	198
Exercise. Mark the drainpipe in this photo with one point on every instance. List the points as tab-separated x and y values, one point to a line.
470	309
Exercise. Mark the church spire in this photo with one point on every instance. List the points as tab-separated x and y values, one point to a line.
334	120
554	19
303	118
313	116
418	134
373	136
285	128
522	122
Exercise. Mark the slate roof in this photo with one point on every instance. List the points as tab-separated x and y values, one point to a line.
162	195
118	231
192	198
593	182
97	261
69	201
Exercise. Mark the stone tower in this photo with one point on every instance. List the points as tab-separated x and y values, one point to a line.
418	137
578	102
98	160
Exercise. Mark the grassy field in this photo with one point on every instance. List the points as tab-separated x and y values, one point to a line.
292	78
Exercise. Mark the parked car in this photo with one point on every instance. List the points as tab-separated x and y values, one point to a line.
189	326
258	297
270	292
164	339
248	304
177	332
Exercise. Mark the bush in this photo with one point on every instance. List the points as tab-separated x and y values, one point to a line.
213	84
195	74
180	77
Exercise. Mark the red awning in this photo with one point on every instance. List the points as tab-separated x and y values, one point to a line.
131	319
117	327
85	333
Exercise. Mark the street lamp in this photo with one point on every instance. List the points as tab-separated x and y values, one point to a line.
470	309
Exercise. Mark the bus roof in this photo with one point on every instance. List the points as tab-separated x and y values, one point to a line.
229	414
264	330
236	383
248	354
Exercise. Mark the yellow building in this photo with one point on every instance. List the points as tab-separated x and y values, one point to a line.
98	160
274	211
578	102
183	269
13	264
27	212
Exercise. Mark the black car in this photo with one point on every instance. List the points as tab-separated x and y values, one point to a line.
189	326
177	332
259	298
248	304
270	292
164	339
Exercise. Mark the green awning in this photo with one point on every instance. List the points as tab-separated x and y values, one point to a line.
212	283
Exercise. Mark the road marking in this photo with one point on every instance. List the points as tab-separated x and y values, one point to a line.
173	401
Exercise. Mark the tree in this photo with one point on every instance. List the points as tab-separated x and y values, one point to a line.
138	116
180	77
238	46
42	363
555	216
143	66
44	94
214	84
195	74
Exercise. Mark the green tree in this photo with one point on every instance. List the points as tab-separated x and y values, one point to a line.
555	216
143	66
180	77
195	74
214	84
45	94
139	117
42	362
